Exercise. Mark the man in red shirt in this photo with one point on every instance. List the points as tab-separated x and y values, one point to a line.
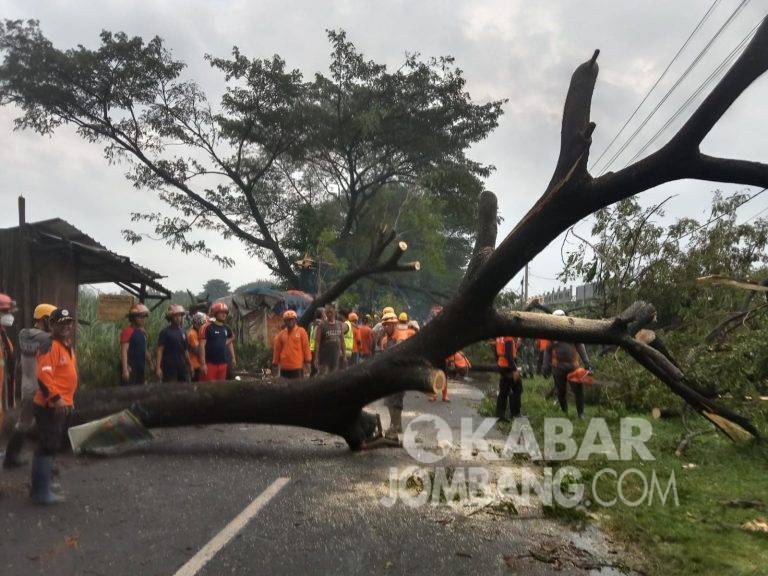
54	401
290	352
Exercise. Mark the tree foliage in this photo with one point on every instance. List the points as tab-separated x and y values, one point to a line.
632	256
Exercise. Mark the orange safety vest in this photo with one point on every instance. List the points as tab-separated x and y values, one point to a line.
402	332
542	344
501	350
459	360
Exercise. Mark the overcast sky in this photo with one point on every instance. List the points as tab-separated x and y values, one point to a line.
523	51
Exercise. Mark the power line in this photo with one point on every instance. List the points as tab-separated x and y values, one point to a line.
755	215
677	83
723	215
658	80
709	80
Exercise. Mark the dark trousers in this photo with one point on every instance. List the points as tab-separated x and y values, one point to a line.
561	385
175	373
291	374
539	361
136	376
51	425
510	390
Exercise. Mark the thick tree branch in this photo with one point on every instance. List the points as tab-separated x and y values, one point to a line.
374	264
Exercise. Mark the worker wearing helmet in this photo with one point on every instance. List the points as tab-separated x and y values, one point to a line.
193	343
378	327
216	341
54	402
329	338
7	354
31	341
134	352
290	351
561	359
393	402
403	330
173	364
366	338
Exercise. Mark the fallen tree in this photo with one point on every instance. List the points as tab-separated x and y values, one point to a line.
334	403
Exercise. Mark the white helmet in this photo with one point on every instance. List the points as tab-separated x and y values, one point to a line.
198	319
558	313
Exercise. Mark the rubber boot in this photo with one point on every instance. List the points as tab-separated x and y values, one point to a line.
13	457
40	491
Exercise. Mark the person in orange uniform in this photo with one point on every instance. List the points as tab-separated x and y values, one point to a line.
541	348
394	402
7	354
366	339
54	401
403	331
510	381
193	343
290	352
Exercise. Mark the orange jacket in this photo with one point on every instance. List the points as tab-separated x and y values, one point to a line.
506	350
193	345
459	360
366	340
356	345
56	375
541	344
403	332
291	351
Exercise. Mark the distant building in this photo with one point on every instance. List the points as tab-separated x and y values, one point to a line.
569	298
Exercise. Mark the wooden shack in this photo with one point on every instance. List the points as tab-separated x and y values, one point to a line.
48	261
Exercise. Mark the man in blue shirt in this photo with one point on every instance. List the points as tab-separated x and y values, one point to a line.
172	354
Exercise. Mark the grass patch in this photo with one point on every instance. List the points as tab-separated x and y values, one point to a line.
720	487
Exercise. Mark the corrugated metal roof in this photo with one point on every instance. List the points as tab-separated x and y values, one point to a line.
105	265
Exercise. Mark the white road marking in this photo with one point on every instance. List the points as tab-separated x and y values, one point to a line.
199	560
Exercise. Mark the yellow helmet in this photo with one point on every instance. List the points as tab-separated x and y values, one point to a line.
403	317
389	318
387	310
43	310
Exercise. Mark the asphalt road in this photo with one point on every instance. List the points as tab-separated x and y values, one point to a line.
151	511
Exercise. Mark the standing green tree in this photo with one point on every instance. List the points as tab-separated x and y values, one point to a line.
215	288
274	146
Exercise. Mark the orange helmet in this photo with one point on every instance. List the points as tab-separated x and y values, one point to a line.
289	314
217	307
138	310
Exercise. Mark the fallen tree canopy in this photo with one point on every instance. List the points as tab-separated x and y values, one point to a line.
334	403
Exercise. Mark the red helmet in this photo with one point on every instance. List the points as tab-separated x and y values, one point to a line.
7	304
218	307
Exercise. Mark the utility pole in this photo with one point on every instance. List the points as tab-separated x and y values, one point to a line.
525	285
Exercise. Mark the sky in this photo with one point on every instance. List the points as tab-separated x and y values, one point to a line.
522	51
